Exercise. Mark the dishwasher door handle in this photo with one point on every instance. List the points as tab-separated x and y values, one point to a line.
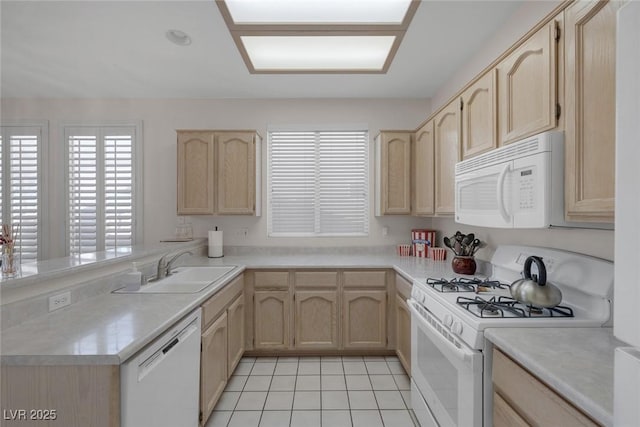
170	345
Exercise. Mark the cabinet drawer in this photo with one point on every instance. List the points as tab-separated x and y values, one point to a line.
271	279
212	308
530	398
368	279
322	279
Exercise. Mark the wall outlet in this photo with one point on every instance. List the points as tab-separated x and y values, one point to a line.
59	301
241	233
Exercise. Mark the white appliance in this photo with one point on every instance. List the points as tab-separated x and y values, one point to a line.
626	409
520	185
160	385
451	360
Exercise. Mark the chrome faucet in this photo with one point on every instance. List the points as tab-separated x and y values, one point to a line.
164	266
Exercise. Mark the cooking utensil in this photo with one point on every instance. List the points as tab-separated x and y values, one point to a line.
447	242
534	290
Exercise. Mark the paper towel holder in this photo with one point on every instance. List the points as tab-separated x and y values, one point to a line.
215	244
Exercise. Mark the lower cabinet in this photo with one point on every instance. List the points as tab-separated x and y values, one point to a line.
365	321
213	365
235	339
316	319
520	399
271	319
403	323
222	344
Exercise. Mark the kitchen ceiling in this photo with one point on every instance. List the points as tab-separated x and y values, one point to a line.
118	49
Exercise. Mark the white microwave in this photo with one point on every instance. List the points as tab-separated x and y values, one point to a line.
520	185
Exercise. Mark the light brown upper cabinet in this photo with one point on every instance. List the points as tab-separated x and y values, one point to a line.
196	172
527	81
447	154
590	105
218	172
422	171
479	116
393	173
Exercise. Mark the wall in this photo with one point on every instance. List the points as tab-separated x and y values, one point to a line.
525	18
161	117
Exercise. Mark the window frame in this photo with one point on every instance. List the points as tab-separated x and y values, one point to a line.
43	174
138	177
367	173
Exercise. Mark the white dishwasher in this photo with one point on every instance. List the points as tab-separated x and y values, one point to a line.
160	386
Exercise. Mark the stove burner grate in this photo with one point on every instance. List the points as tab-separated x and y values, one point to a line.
463	284
508	307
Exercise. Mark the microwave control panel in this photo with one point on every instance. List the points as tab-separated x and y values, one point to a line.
526	189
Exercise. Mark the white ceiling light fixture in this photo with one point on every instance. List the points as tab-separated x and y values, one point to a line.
178	37
317	36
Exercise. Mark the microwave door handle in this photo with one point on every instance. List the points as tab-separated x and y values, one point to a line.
500	193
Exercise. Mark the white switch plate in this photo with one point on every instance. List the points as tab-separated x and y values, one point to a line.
59	301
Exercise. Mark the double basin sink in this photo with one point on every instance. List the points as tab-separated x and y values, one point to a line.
185	280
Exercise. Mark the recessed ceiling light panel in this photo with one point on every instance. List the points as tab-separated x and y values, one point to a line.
318	11
322	53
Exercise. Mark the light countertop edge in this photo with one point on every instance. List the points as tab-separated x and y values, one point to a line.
564	359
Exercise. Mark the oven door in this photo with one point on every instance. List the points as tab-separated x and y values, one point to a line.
446	373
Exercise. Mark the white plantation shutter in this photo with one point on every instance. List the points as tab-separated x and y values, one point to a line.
318	183
101	188
20	151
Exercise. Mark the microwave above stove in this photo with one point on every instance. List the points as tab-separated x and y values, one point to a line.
520	185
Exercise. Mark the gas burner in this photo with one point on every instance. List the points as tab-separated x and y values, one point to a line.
461	284
508	307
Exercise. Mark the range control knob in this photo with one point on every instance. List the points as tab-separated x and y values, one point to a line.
456	328
448	320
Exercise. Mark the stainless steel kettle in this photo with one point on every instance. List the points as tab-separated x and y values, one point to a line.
534	290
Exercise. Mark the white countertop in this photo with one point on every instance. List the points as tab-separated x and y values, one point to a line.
576	362
110	328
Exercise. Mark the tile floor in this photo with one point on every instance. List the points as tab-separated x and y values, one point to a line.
316	391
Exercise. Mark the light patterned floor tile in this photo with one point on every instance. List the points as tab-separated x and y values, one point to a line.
335	400
257	383
275	419
354	368
286	368
358	382
377	368
236	383
331	368
251	401
336	419
389	399
283	383
308	383
305	419
383	382
245	419
367	418
333	382
396	418
219	419
227	401
306	400
266	368
403	382
309	368
362	400
279	400
243	368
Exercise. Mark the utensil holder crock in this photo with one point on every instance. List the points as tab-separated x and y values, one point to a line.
463	264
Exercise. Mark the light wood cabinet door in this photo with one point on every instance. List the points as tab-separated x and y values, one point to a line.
196	150
271	319
447	154
364	319
316	320
527	80
213	365
394	171
236	173
479	116
403	333
533	400
504	415
235	339
422	171
590	47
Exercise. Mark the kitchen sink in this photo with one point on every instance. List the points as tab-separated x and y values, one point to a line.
185	280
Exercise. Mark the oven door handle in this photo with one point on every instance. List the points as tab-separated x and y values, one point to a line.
463	353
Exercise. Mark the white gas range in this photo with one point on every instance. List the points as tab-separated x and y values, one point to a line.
451	360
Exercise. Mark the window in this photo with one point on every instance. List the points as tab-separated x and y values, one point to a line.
318	183
20	192
103	189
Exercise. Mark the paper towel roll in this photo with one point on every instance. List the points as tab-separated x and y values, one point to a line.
215	244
